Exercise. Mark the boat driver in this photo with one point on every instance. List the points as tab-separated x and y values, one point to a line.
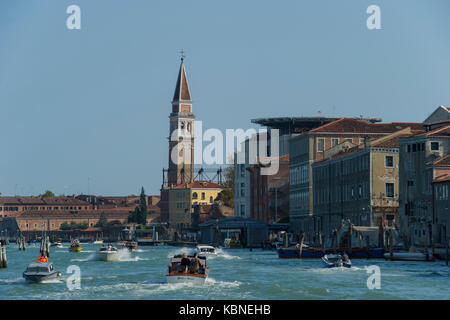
185	262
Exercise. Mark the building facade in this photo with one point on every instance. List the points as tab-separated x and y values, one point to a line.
311	146
184	197
359	184
417	155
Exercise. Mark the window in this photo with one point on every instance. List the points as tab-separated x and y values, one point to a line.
414	147
434	146
334	142
203	196
409	148
242	210
242	189
389	162
194	195
211	199
349	139
389	190
361	140
320	145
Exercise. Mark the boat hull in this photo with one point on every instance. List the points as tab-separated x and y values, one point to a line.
406	256
108	256
185	279
76	249
293	253
33	277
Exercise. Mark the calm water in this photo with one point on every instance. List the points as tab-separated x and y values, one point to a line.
235	274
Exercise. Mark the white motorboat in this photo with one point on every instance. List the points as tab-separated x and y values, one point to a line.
109	253
203	249
179	273
335	261
406	256
41	271
97	242
57	244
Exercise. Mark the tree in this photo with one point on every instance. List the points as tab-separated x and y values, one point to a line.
48	194
102	221
142	217
226	196
229	177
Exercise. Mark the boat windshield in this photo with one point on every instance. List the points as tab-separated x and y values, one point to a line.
37	269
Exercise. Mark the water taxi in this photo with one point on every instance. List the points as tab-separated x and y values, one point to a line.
335	261
41	271
75	246
205	249
109	253
57	244
180	273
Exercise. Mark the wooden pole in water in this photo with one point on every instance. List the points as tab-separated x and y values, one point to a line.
300	249
430	228
391	240
350	235
335	242
446	245
3	260
427	254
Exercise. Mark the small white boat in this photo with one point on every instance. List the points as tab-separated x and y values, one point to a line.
109	253
406	256
57	244
179	273
41	271
336	261
205	249
97	242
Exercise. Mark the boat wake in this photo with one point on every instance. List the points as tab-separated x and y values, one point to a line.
225	255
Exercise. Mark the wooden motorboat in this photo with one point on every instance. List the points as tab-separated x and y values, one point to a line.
179	273
407	256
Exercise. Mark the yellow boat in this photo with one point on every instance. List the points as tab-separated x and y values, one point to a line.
75	246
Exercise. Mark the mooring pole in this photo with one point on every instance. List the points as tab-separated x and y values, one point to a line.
446	245
3	260
300	249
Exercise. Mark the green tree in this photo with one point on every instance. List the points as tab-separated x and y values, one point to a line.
102	221
142	217
48	194
226	196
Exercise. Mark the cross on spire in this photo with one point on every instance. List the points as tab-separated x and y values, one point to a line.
182	55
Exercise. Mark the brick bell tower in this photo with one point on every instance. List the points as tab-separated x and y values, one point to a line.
181	139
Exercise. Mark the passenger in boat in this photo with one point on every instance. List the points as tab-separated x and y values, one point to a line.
195	265
185	262
43	257
346	259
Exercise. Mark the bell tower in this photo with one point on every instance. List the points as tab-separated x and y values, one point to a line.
181	139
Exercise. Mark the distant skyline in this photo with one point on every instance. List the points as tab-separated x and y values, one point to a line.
87	110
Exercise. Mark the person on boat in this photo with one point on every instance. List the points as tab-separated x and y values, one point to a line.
195	265
43	257
346	259
185	262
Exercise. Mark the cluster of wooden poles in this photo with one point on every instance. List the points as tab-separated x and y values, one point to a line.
3	260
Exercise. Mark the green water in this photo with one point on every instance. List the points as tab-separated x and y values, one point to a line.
235	274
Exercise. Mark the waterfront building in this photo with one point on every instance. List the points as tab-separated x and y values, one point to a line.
288	127
269	194
419	158
359	183
13	206
183	197
311	146
441	201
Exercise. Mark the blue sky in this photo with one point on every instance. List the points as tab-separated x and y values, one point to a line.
93	104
